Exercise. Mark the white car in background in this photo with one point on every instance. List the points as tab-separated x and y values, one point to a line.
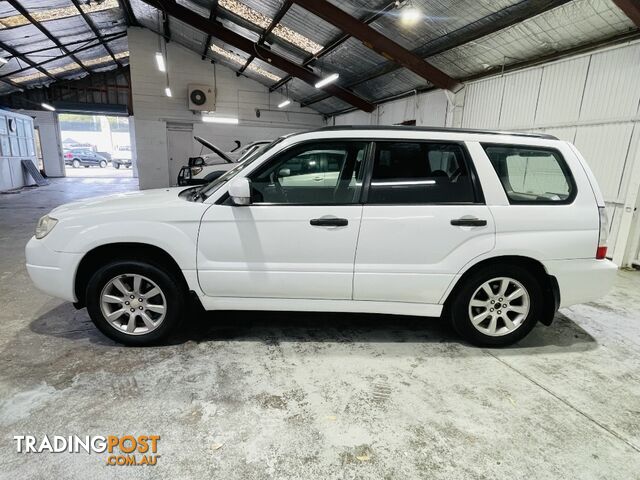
121	156
206	168
492	230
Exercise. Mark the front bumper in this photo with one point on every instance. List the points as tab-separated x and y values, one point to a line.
582	280
52	272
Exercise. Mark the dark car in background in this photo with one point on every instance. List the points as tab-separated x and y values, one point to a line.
85	157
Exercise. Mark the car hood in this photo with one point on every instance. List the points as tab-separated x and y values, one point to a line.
120	202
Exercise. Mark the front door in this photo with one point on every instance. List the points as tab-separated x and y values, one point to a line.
298	237
179	148
423	220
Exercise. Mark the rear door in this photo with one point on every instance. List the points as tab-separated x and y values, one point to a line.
424	218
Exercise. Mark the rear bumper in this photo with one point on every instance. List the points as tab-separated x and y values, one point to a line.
52	272
582	280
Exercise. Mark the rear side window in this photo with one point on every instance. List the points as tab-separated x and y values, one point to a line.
420	172
532	175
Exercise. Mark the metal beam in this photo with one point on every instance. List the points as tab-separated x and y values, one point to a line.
129	16
23	11
482	27
274	21
198	22
165	27
631	9
213	13
335	43
377	42
96	32
106	38
18	55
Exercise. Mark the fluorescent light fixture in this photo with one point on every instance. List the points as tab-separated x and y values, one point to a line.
47	106
160	61
212	119
284	104
3	60
325	81
410	15
167	92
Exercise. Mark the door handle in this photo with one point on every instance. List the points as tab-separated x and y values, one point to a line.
468	222
329	222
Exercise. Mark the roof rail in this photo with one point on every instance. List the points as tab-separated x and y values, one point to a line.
434	129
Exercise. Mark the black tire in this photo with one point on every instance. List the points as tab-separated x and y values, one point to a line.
75	163
172	289
116	165
87	166
459	305
103	163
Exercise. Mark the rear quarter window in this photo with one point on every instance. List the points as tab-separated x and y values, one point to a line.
532	175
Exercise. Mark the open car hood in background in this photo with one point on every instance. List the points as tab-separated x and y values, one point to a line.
214	149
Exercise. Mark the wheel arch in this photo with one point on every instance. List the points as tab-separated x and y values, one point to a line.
548	282
107	253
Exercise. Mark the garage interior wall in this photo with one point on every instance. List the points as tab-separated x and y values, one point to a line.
591	100
237	97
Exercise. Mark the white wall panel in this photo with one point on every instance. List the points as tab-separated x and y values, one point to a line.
561	91
482	103
432	109
613	85
520	98
605	148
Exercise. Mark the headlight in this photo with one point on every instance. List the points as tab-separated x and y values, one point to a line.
45	225
195	170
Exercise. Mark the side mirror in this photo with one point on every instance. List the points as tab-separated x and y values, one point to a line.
284	172
240	192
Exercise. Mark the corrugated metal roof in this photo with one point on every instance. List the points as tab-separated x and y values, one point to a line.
577	22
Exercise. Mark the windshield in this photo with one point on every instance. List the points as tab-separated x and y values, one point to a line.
208	189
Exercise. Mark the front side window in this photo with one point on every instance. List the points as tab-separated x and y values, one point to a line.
420	172
313	173
531	174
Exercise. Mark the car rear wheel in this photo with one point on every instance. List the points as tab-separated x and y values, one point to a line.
135	303
76	163
497	306
103	163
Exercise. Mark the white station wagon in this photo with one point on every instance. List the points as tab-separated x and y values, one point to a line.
493	230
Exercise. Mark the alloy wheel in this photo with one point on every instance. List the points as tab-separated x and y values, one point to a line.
133	304
499	306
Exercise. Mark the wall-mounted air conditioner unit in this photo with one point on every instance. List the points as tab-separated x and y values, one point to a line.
202	98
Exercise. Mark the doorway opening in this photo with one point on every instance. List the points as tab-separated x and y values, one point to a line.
96	145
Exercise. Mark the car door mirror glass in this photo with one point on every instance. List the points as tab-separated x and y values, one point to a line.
240	192
284	172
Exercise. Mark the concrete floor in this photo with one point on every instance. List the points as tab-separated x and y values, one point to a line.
257	396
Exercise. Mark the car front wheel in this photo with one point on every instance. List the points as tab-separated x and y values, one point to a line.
135	303
76	163
103	164
117	165
497	306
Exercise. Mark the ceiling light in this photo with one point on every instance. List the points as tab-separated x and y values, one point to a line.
284	104
325	81
167	92
47	106
3	60
160	61
211	119
410	15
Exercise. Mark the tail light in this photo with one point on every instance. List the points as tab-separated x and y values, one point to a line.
67	155
601	252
